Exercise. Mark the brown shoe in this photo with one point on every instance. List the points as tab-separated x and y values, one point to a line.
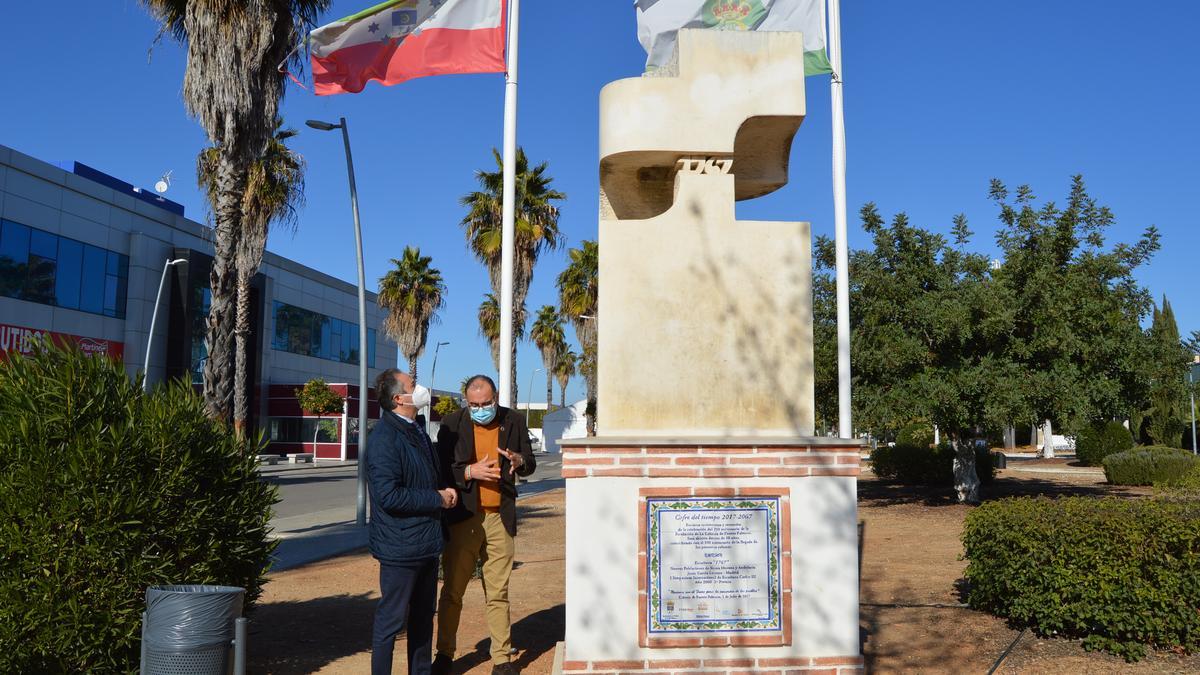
442	665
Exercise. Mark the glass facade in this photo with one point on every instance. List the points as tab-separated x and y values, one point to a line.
51	270
301	429
303	331
201	302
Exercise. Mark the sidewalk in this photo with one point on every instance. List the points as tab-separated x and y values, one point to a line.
315	536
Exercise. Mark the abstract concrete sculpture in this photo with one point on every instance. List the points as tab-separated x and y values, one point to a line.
707	529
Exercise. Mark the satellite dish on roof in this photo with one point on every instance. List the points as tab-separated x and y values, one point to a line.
163	183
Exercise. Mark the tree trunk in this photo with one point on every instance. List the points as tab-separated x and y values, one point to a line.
218	376
562	396
241	333
966	479
316	432
412	368
549	388
1047	440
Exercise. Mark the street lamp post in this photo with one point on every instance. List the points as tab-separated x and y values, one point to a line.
529	404
1192	396
162	282
432	386
361	516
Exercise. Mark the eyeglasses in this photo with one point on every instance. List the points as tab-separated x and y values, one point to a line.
481	406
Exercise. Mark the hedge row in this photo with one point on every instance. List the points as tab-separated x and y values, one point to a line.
1094	443
1120	574
105	490
1152	465
919	465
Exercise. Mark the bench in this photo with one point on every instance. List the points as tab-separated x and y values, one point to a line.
270	460
300	457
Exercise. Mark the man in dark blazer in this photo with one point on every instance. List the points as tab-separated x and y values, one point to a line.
409	493
487	447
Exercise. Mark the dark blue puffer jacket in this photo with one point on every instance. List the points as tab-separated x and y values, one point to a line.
403	477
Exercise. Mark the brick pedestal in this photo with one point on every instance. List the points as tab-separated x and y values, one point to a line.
811	485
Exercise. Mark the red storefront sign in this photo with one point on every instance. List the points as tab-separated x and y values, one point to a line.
21	339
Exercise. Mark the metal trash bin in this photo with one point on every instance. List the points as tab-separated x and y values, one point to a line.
193	630
999	460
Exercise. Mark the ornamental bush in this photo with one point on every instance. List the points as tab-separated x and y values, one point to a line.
921	465
1152	465
918	434
104	491
1121	574
1095	442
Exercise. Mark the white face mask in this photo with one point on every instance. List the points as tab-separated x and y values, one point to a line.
421	396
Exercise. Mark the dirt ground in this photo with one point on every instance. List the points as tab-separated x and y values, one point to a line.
318	618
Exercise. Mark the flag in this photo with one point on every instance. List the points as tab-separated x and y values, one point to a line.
659	22
401	40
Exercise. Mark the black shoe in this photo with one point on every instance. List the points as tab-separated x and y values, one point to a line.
504	669
442	665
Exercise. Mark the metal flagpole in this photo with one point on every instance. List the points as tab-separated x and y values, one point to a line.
845	427
508	214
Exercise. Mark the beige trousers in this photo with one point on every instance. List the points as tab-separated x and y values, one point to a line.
480	536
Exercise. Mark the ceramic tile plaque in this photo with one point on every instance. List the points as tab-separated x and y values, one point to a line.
713	565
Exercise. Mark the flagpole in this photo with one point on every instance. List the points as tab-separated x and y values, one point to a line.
841	247
508	212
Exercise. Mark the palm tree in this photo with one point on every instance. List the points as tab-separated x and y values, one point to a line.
412	293
547	334
536	230
564	370
232	85
578	290
489	325
274	192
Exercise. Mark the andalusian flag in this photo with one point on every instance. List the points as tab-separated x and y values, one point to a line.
401	40
659	21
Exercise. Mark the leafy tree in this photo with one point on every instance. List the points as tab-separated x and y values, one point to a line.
578	297
274	192
232	85
547	334
564	370
317	398
1076	334
928	323
412	292
489	325
535	226
1168	368
446	405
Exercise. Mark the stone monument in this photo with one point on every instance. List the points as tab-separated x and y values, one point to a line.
708	530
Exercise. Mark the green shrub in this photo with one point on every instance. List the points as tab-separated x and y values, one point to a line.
917	434
1148	466
1119	573
1095	442
920	465
104	491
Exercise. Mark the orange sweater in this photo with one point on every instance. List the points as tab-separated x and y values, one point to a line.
487	440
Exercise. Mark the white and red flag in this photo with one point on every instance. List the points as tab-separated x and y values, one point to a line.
401	40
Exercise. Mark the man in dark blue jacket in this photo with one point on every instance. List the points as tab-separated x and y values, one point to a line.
409	491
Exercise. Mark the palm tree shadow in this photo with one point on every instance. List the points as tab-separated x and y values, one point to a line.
533	636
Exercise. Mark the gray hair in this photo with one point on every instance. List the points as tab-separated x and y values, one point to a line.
388	387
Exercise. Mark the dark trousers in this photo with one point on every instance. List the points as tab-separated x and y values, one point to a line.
409	592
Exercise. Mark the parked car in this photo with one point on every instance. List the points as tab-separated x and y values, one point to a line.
535	442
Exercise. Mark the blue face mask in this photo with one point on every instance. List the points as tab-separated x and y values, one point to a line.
483	415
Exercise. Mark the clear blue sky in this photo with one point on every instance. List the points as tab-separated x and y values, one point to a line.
941	96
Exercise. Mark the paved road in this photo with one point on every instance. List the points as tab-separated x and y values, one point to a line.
315	516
